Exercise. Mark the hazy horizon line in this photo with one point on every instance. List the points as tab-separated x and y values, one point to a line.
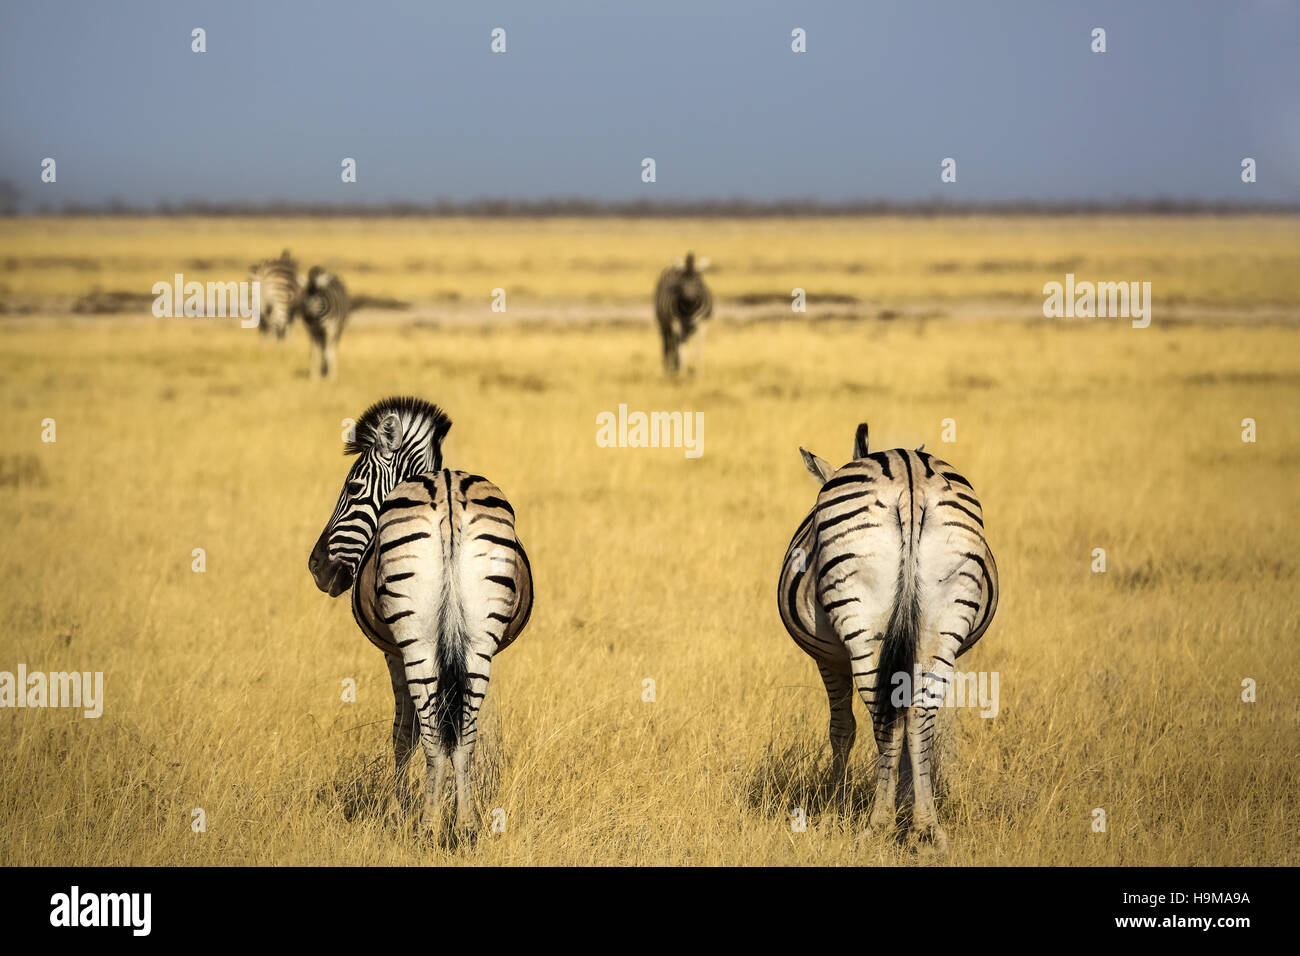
560	207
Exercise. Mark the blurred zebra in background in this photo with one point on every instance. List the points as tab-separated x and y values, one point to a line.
889	575
440	583
324	305
682	303
278	279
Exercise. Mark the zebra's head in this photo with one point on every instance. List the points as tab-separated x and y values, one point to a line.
821	469
395	439
312	301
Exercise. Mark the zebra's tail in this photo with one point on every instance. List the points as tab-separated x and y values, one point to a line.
898	655
452	642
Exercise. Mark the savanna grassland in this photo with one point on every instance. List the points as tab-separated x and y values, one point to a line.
1119	690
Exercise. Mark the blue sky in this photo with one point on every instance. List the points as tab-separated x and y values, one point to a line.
711	90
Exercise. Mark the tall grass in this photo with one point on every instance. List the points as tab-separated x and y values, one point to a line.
1120	690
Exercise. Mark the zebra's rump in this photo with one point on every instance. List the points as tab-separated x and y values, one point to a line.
278	283
446	544
890	523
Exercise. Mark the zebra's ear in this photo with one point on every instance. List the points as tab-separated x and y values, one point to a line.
388	434
860	442
679	262
819	468
702	263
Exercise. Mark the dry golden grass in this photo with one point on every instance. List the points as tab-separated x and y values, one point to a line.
1118	690
1237	261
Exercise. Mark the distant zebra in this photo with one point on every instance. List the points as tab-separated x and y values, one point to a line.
440	583
279	292
682	304
890	570
324	305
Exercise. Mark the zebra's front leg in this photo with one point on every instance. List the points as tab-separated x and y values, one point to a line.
843	726
404	735
476	684
317	365
697	350
329	358
672	360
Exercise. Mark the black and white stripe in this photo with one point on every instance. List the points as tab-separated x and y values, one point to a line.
324	306
889	574
278	282
440	583
682	304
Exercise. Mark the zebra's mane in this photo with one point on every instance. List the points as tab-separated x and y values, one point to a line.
286	259
408	408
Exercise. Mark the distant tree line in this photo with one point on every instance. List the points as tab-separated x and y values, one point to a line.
709	208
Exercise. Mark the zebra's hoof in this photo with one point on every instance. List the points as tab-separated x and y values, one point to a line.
394	813
882	822
929	841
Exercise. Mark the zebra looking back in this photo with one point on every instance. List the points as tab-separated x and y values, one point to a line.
682	304
889	575
440	583
278	279
324	305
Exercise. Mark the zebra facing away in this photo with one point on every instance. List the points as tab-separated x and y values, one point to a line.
682	304
440	583
889	575
324	305
278	280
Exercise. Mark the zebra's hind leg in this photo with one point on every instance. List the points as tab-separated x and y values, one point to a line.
476	684
404	736
937	653
889	726
864	648
419	662
843	726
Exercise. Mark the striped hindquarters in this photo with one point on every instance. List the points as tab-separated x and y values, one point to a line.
446	546
896	537
278	289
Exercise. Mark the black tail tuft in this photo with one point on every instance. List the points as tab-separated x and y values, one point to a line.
452	681
898	655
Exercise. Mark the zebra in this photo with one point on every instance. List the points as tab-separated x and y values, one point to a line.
279	284
324	306
682	303
889	572
440	583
